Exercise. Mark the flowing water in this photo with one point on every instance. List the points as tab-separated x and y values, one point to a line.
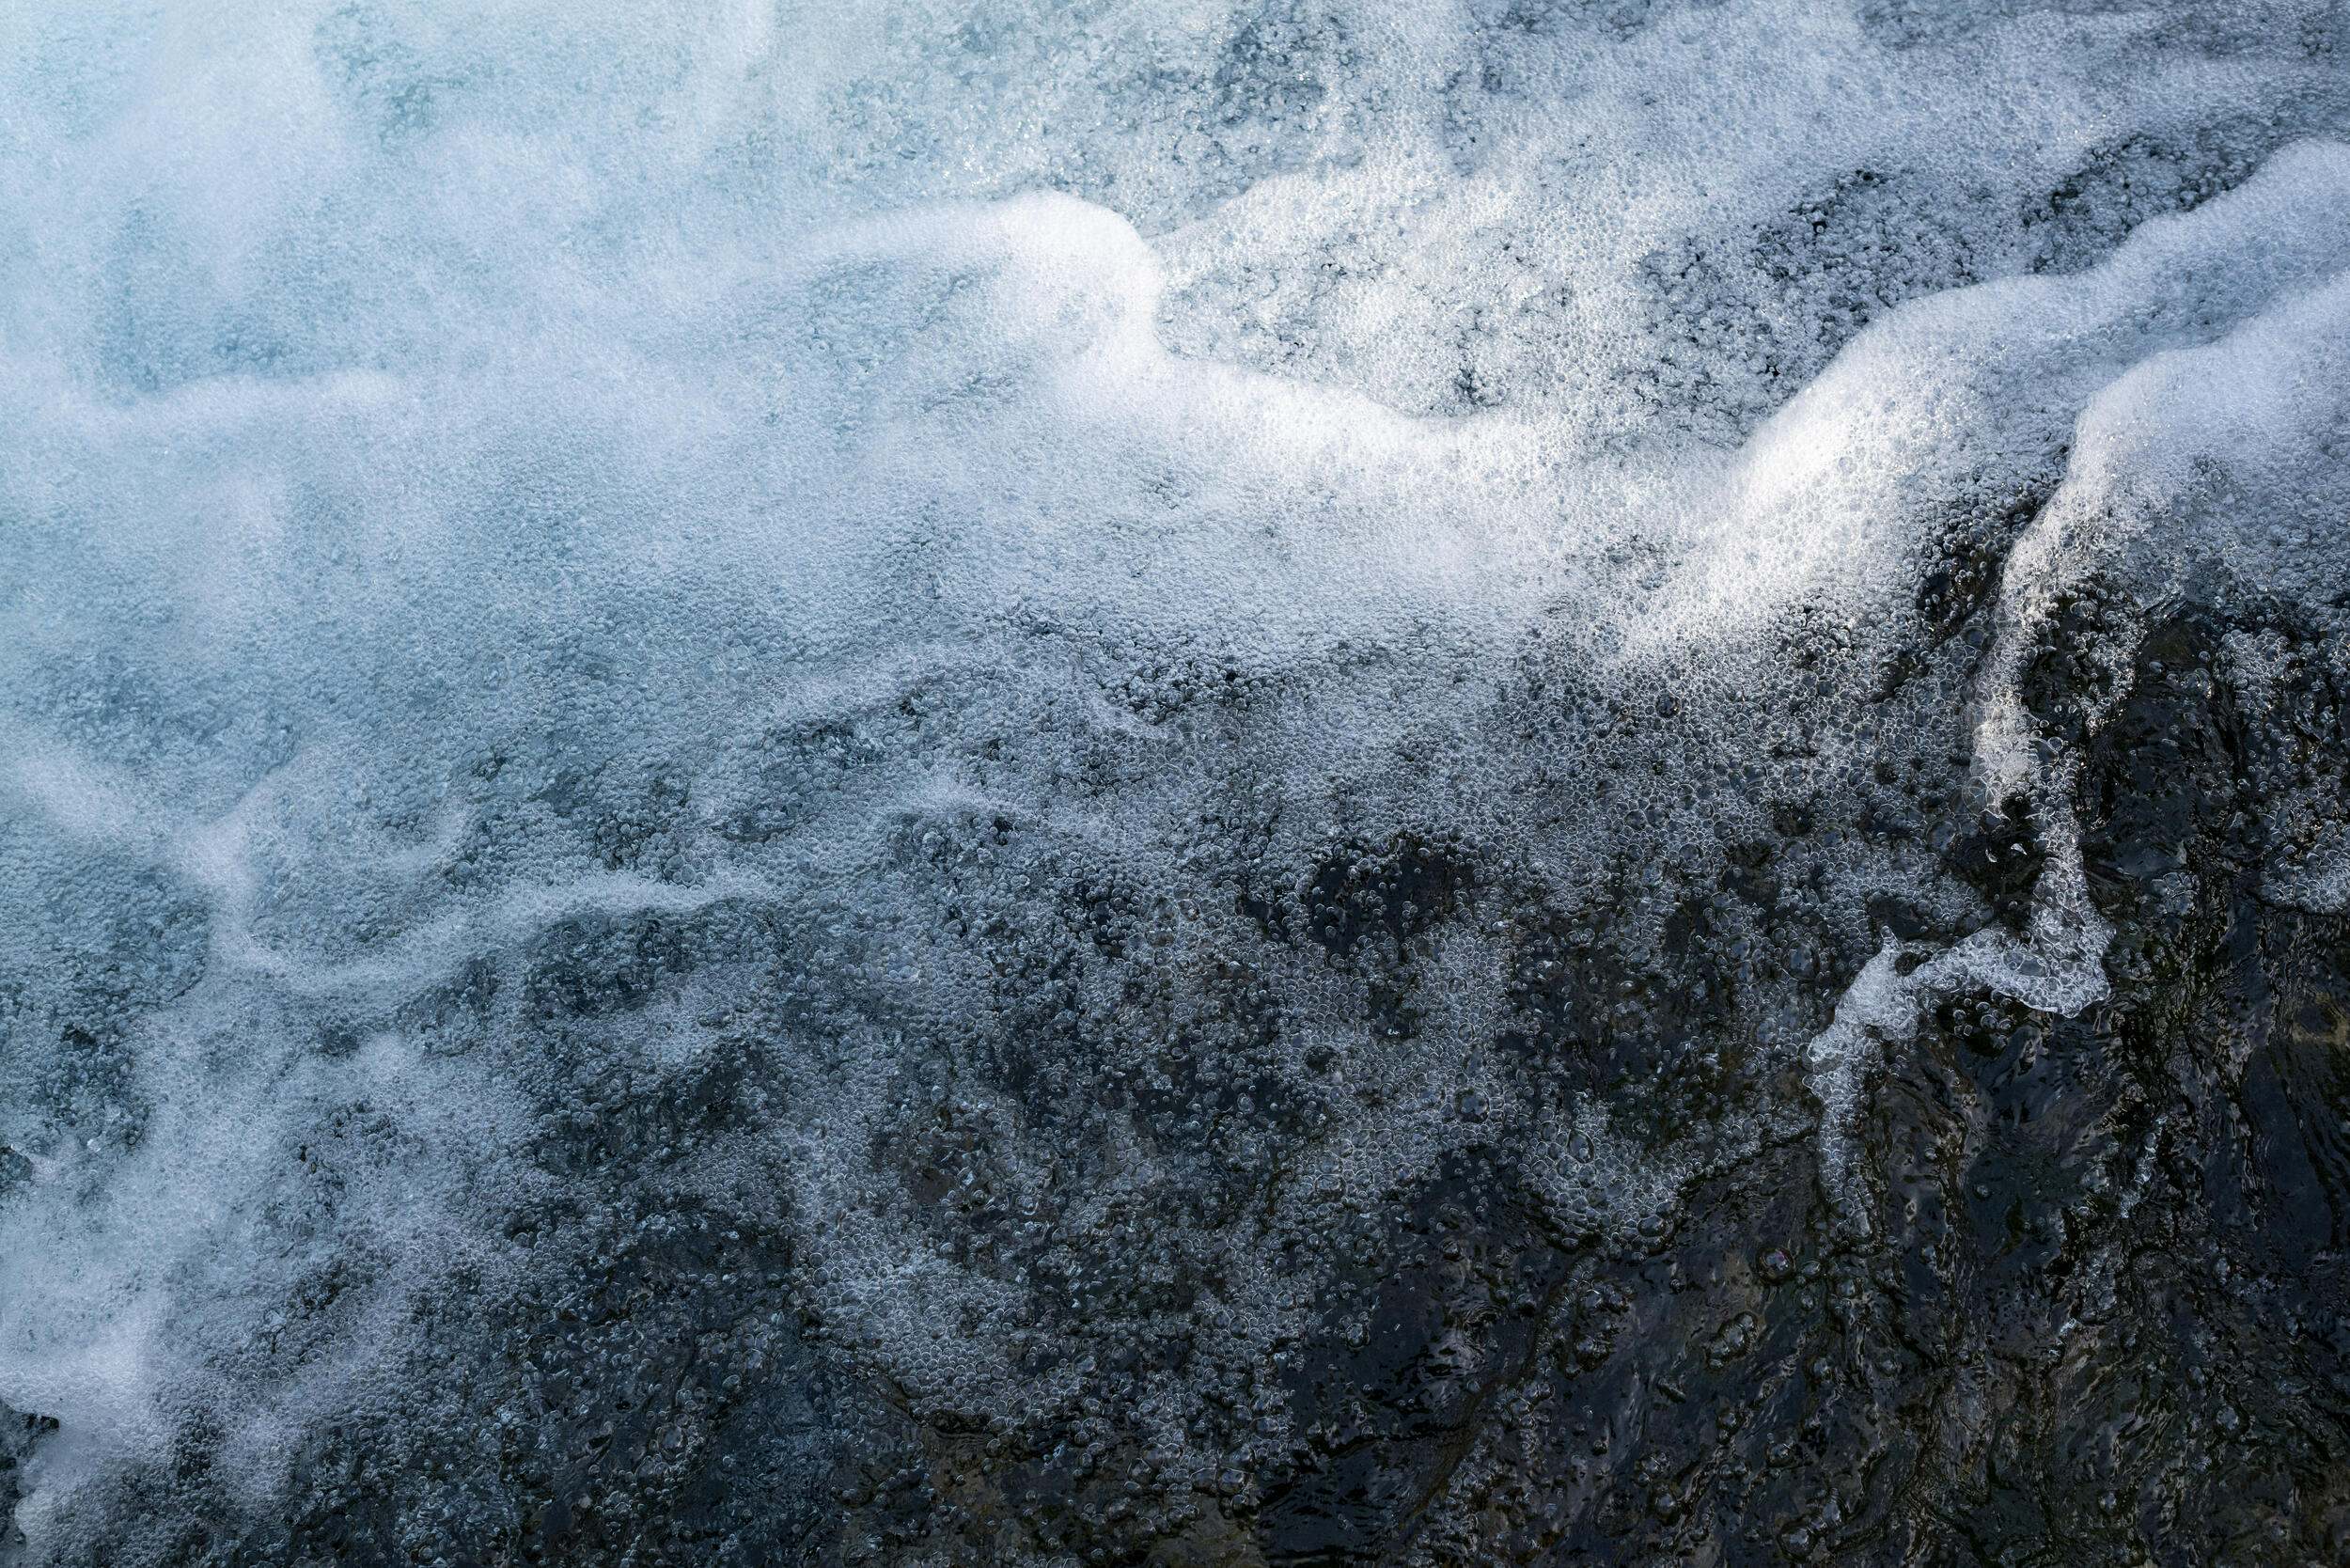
1162	784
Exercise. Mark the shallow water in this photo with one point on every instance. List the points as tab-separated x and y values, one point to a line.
1207	784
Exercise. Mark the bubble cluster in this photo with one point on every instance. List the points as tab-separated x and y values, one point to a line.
1237	783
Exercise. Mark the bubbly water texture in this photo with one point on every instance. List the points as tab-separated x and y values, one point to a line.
977	595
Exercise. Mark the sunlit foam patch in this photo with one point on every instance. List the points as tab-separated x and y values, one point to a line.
1967	394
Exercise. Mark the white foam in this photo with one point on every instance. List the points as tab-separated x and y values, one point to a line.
416	419
2220	457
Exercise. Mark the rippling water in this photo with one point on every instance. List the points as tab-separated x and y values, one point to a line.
1175	784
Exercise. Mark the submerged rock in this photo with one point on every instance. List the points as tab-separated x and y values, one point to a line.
1295	786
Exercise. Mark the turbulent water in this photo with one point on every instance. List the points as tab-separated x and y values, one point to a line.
1504	781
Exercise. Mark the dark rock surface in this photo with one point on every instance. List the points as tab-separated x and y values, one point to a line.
652	933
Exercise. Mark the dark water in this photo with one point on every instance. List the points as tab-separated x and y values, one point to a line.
1538	784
